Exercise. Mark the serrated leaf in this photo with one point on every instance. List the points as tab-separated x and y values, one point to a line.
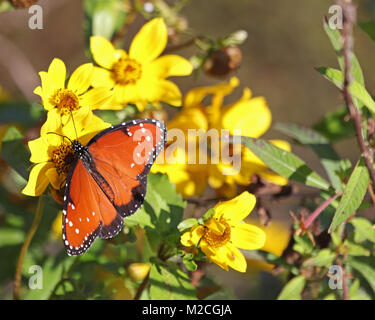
363	229
357	90
354	193
338	45
335	125
293	289
285	163
168	282
320	144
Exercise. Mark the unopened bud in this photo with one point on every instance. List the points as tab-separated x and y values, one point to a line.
222	62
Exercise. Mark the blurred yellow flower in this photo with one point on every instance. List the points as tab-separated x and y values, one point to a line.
138	271
140	76
53	153
63	100
250	115
221	236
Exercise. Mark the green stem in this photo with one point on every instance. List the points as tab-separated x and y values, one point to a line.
34	227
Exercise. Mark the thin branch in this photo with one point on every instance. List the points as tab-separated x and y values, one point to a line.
180	46
142	287
25	246
319	210
349	16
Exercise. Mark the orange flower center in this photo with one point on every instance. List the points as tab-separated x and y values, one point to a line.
215	239
126	71
65	100
62	157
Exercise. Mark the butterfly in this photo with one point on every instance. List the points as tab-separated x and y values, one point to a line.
107	181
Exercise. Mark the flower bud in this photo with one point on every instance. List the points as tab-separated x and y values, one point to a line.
222	62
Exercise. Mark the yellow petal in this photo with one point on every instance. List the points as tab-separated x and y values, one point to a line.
247	236
102	78
38	180
39	150
171	65
236	259
97	98
150	41
57	73
163	90
127	94
38	90
216	255
52	124
102	51
195	96
252	117
192	237
81	78
236	209
48	89
56	180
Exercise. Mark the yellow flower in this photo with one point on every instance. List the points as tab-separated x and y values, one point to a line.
52	153
189	179
221	236
140	76
75	95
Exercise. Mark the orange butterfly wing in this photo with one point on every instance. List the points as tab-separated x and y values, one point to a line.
113	183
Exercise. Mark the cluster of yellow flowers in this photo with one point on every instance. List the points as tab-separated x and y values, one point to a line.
139	77
250	115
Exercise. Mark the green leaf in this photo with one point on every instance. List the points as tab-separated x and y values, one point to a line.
356	250
355	89
365	269
338	45
324	258
168	282
353	195
16	155
285	163
189	264
52	269
369	28
363	229
161	212
303	244
103	18
335	125
320	144
293	289
11	236
187	224
210	212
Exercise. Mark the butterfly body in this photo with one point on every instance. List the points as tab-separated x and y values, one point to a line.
107	181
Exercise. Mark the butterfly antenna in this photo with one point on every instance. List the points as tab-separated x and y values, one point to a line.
61	135
74	125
